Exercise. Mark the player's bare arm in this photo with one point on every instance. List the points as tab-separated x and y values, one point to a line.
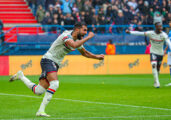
88	54
165	50
76	44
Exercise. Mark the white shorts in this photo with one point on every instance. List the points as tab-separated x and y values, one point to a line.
169	58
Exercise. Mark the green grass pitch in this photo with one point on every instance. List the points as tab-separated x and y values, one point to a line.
98	97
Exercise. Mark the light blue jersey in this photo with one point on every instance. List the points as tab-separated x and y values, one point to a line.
169	38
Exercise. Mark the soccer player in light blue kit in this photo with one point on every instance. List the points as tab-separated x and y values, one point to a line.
169	55
68	41
157	38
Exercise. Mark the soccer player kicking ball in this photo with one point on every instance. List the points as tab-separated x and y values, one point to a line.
157	39
48	81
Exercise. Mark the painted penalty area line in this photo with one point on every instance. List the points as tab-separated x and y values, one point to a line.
82	118
100	103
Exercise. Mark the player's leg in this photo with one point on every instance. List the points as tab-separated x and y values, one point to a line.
53	85
169	63
159	61
37	89
170	71
50	74
154	70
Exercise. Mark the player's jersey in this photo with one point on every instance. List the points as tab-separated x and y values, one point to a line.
59	48
169	38
157	41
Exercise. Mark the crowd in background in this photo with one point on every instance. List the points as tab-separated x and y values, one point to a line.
102	12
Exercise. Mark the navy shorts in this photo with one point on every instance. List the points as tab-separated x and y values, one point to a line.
156	58
47	66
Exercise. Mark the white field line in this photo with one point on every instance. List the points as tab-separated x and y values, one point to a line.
82	118
81	101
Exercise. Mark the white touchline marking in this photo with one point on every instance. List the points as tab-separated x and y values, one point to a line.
140	116
81	101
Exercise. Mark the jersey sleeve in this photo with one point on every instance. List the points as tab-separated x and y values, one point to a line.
67	37
148	33
137	33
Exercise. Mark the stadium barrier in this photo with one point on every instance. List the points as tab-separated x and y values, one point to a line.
79	65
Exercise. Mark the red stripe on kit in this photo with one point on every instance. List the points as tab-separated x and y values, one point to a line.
51	89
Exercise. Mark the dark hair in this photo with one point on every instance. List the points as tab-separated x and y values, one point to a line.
110	41
157	23
79	25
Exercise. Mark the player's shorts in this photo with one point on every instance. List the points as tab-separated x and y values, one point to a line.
169	58
156	58
48	66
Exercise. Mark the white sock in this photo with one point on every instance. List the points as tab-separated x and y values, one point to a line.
155	74
38	89
27	82
48	95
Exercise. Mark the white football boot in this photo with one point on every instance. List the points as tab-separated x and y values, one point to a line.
42	114
17	76
169	84
156	84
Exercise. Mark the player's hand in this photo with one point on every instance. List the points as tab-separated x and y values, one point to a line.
100	57
90	35
127	31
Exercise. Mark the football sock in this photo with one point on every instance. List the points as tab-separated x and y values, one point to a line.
37	89
27	82
48	95
170	72
155	74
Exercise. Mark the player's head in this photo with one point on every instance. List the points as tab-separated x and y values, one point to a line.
81	29
170	23
158	27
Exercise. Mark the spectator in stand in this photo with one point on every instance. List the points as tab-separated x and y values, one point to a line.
66	8
102	21
109	11
41	2
47	21
80	4
82	16
2	36
94	23
120	21
40	14
49	2
128	16
88	18
51	10
1	25
158	18
132	3
87	6
110	48
55	22
73	8
33	5
69	20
